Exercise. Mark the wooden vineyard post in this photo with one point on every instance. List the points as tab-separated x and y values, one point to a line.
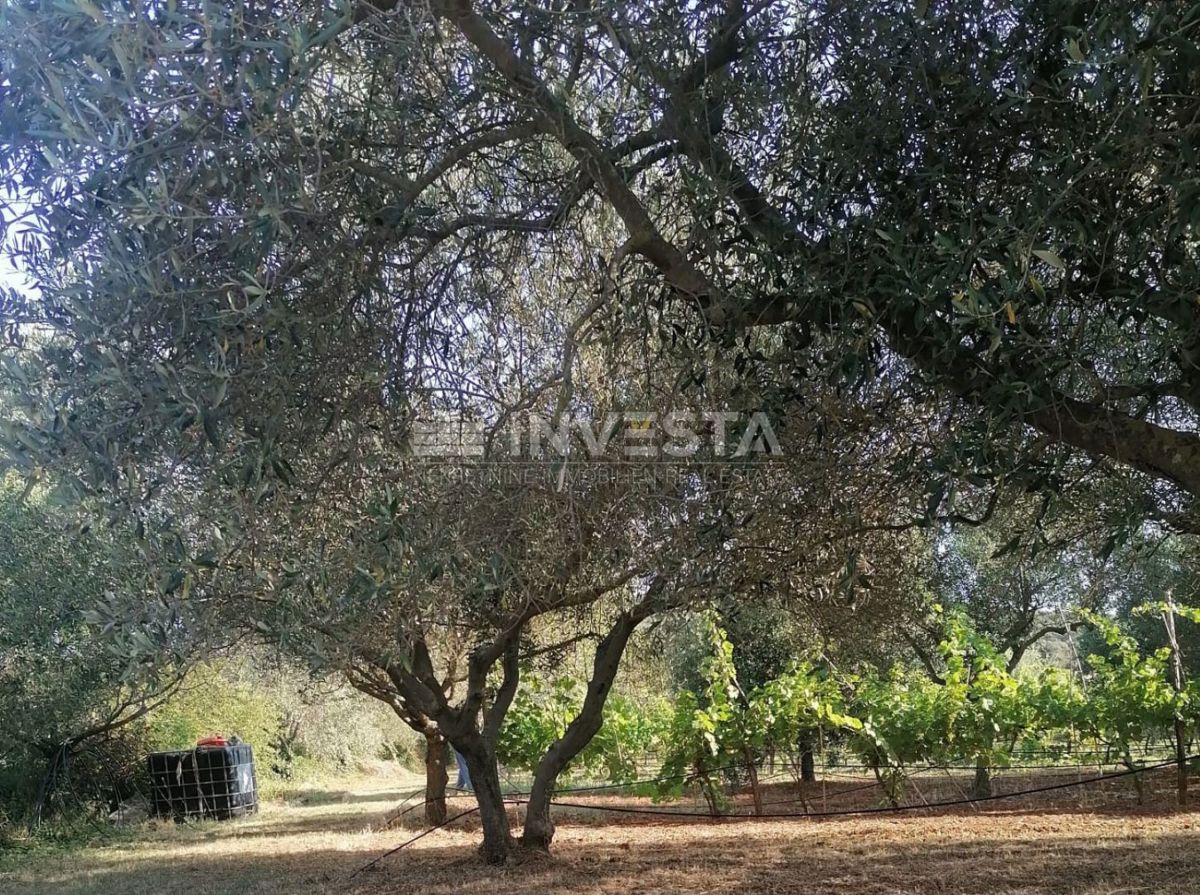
1177	682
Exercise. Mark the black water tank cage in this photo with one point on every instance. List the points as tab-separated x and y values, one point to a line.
205	782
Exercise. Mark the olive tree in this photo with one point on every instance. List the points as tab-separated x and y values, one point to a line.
63	689
265	241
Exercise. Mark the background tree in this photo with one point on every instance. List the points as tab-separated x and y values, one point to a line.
1153	566
64	691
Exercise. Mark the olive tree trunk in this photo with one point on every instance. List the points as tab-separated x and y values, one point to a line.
539	826
477	743
498	842
435	777
418	695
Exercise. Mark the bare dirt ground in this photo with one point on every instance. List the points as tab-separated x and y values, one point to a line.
1090	841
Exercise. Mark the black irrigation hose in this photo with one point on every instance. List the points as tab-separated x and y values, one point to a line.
649	780
883	810
408	842
685	777
1098	749
963	766
786	815
909	773
404	801
1081	766
870	784
597	788
644	782
411	808
825	797
996	768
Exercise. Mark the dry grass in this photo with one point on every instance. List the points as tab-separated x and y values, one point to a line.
1090	844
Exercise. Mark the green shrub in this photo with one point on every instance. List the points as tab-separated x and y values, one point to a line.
542	710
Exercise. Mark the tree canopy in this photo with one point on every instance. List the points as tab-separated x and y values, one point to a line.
996	200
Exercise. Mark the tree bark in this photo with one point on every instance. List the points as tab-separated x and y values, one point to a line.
1138	783
539	827
755	790
887	784
498	842
1181	768
435	777
418	696
982	787
808	765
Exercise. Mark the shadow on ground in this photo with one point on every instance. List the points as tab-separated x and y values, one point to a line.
838	858
317	797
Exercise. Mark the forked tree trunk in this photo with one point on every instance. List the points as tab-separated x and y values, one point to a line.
435	777
418	696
